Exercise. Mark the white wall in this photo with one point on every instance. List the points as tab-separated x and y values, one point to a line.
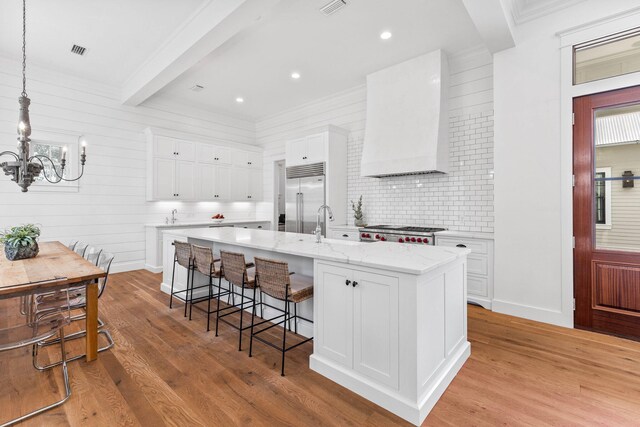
460	200
532	221
110	208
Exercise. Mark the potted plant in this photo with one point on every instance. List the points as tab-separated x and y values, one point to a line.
20	242
358	216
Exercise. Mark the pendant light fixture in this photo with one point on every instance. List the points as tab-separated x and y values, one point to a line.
25	169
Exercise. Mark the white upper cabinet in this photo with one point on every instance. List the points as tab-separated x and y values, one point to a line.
247	159
214	154
310	149
171	148
179	169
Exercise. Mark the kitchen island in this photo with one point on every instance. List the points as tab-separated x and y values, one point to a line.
390	320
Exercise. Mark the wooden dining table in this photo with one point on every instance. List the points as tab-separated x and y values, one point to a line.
55	267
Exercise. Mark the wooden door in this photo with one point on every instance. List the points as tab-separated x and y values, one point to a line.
607	212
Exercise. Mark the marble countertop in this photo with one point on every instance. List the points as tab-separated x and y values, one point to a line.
380	255
467	234
207	223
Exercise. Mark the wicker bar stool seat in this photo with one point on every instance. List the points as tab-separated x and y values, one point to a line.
275	280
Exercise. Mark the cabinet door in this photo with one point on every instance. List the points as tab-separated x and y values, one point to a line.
254	159
185	180
332	311
185	150
164	176
164	147
222	155
206	182
315	145
206	153
240	188
222	185
296	152
375	327
255	185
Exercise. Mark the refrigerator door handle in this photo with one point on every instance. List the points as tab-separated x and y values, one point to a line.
300	217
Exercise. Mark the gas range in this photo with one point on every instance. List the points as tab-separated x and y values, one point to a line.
398	233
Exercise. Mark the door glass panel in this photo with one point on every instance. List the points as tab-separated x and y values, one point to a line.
616	196
610	56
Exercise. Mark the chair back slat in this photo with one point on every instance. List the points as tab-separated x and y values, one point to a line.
92	254
80	248
183	253
273	277
234	267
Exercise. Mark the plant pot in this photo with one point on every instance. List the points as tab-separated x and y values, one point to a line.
21	252
359	223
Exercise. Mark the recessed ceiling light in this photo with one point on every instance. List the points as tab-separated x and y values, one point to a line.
385	35
295	75
239	100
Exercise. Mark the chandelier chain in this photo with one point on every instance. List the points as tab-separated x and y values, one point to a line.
24	48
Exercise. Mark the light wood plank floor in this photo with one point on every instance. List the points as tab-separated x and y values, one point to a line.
166	370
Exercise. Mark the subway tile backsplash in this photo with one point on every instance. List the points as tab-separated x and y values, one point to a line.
460	200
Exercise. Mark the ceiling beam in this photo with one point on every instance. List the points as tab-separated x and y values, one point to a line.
492	22
207	29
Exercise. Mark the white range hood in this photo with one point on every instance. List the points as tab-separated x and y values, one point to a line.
407	118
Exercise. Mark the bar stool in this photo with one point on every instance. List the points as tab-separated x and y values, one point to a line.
274	279
184	257
206	264
234	270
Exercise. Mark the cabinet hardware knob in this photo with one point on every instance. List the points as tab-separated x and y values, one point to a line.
347	282
345	235
354	284
460	245
259	226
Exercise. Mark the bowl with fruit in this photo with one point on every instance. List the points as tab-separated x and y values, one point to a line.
217	218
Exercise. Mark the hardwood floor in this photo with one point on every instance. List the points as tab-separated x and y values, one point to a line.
166	370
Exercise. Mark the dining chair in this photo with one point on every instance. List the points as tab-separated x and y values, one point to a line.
78	301
80	248
92	254
274	279
34	331
72	244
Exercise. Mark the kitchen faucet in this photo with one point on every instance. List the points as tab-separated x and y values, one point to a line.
173	216
318	231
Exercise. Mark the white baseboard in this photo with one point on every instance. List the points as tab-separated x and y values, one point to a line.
412	411
119	267
484	302
153	269
530	312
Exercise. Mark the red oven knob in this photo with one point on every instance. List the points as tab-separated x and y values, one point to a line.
401	240
363	235
407	240
383	238
377	236
426	240
413	239
419	239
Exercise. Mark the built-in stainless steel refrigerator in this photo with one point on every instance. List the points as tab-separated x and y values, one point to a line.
304	195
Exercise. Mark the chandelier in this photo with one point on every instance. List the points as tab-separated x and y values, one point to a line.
26	168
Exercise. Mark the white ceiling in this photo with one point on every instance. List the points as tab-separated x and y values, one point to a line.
119	34
331	53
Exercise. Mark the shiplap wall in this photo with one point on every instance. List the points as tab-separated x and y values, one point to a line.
471	131
625	202
109	210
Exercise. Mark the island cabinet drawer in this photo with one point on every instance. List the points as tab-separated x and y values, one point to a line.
477	264
477	285
476	246
343	235
357	321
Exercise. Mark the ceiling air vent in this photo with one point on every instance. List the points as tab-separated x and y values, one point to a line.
333	6
78	50
196	88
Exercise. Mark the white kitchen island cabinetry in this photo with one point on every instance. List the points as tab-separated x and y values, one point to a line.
390	321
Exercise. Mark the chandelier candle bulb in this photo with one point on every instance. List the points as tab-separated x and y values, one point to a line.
64	153
84	148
